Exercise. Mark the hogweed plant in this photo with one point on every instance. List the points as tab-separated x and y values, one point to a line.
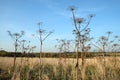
104	45
42	37
62	50
115	49
63	46
15	37
81	32
24	47
25	68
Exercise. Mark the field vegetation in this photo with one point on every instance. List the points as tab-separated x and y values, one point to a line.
58	69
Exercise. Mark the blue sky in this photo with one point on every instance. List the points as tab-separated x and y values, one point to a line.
17	15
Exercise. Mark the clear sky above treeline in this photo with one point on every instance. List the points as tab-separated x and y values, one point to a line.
17	15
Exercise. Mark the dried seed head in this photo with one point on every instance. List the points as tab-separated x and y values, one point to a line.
79	20
116	36
16	34
109	32
72	8
115	44
91	15
103	38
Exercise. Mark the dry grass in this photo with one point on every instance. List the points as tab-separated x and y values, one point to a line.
6	62
95	67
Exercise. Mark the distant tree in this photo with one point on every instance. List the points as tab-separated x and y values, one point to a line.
3	53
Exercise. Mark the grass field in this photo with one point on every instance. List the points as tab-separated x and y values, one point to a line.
60	69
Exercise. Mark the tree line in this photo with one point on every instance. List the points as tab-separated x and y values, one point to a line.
4	53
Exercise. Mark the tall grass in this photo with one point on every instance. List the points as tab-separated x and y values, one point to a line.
53	70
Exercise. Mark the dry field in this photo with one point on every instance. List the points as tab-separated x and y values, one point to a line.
94	67
6	62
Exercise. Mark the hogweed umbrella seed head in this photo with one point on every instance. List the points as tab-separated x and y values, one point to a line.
23	40
74	31
109	32
91	15
103	38
16	34
115	44
72	8
116	36
79	20
39	23
111	41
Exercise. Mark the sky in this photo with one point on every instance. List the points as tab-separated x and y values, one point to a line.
18	15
